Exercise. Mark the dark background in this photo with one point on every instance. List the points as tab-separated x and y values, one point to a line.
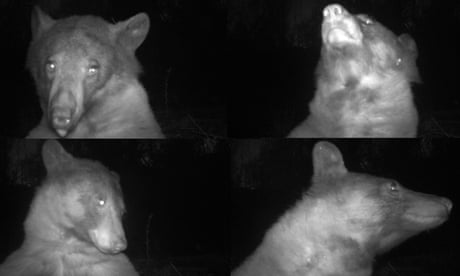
181	60
274	46
176	195
269	176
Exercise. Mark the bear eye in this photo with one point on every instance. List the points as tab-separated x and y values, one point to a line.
366	20
393	186
93	69
50	67
101	202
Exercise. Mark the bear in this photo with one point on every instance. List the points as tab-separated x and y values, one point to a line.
342	222
73	226
364	79
86	74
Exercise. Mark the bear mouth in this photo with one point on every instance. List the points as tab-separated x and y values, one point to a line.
429	214
342	34
62	119
339	35
340	27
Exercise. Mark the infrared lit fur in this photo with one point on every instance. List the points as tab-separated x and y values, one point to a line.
86	75
342	222
364	80
74	222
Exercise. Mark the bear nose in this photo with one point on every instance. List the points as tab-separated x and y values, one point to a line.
61	120
119	245
447	203
332	11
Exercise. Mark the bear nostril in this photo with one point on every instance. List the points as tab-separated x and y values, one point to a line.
61	117
447	203
333	11
119	245
61	121
337	10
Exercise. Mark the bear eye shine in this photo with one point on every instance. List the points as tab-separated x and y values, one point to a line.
393	186
100	202
366	21
93	69
50	67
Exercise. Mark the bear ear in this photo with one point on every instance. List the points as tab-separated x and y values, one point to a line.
327	160
408	44
410	53
132	32
115	176
41	22
54	155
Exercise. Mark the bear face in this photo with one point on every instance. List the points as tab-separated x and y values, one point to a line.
363	80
